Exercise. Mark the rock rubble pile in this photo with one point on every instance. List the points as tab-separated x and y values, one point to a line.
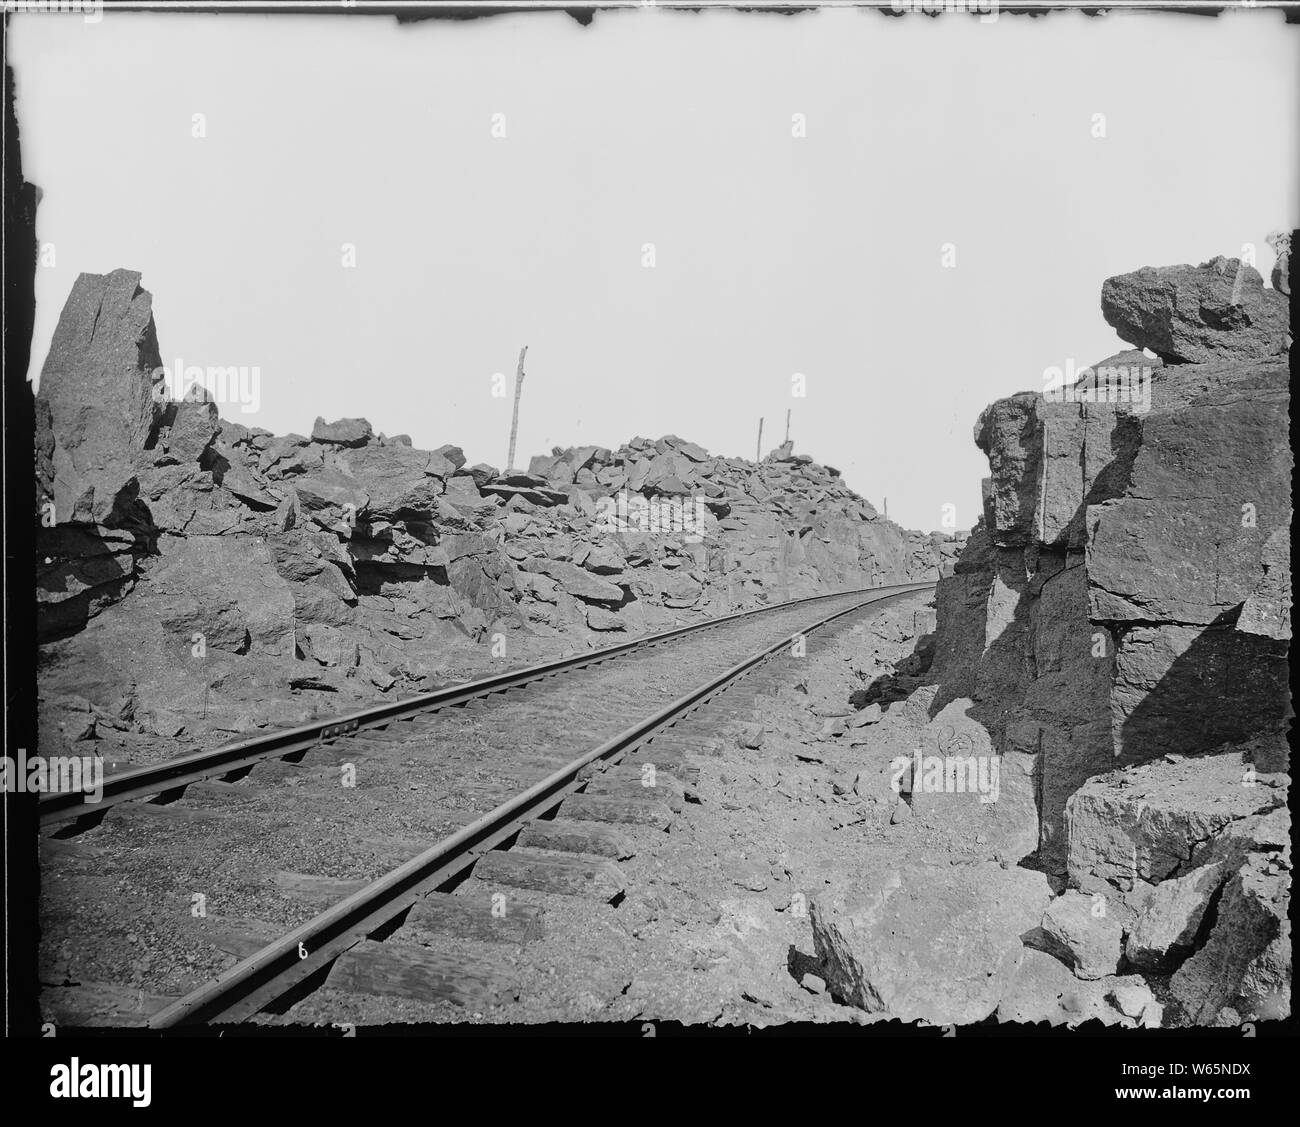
195	572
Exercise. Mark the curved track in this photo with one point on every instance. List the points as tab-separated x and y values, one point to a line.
510	776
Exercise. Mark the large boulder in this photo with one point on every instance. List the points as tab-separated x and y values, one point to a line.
938	945
1193	314
342	432
1078	930
97	399
398	480
481	473
226	590
332	492
192	426
1140	824
453	454
1256	833
1167	924
1044	989
319	574
605	559
479	569
1007	433
598	618
1243	973
577	582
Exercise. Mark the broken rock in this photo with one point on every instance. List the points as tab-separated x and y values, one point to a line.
1195	314
939	945
1076	930
869	715
1170	918
1243	973
343	432
577	582
598	618
96	398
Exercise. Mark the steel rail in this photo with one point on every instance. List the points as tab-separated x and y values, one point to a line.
253	983
173	774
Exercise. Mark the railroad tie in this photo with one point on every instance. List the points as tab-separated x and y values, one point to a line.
634	809
408	970
481	916
644	782
563	835
571	875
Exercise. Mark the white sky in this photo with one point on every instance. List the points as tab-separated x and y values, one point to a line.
774	255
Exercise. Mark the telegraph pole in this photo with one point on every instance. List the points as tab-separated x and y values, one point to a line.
514	418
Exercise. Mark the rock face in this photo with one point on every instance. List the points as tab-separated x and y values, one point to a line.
96	412
1196	314
1095	616
1116	633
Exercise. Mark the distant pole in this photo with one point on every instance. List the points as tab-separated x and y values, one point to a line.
758	452
886	508
514	418
787	424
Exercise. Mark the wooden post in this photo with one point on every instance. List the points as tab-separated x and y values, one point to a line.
886	508
787	424
758	453
514	418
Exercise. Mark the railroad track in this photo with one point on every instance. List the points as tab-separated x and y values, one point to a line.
234	852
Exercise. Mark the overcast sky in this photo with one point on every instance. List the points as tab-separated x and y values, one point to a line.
774	254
